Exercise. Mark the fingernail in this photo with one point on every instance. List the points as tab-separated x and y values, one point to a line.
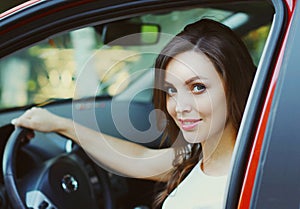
13	121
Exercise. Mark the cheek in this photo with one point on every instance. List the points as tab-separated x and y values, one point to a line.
219	111
203	104
212	106
171	106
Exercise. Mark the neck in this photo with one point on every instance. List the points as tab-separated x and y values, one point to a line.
217	152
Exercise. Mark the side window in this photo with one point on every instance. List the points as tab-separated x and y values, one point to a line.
255	41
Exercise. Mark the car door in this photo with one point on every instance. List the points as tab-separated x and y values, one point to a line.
271	178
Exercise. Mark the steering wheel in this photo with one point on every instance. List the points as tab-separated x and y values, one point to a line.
61	182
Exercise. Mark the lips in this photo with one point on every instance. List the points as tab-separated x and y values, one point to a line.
189	124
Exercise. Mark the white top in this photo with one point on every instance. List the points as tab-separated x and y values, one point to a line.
198	191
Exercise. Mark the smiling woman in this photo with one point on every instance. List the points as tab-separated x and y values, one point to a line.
199	109
204	104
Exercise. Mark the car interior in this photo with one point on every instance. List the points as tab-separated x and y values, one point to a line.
101	75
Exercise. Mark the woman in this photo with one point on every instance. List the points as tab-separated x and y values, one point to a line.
203	77
208	76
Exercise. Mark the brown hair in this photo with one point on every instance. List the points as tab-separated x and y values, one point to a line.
232	61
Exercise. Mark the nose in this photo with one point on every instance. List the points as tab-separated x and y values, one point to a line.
183	105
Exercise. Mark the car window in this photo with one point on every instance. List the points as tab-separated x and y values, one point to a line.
52	69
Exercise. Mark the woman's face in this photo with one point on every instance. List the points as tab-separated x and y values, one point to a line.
195	97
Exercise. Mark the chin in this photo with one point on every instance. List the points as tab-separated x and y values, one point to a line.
192	139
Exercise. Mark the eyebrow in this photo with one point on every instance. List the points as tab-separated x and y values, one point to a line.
187	82
193	79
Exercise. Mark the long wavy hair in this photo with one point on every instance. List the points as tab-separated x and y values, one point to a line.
234	64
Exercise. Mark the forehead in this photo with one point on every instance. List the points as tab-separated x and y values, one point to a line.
191	64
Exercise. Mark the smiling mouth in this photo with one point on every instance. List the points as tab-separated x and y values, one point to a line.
189	124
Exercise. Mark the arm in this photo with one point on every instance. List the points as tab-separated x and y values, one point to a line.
126	158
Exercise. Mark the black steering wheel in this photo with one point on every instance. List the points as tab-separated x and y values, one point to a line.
61	182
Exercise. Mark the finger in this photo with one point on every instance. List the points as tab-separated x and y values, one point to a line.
27	114
23	122
32	112
14	121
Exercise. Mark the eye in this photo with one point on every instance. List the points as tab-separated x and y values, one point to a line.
198	88
170	90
